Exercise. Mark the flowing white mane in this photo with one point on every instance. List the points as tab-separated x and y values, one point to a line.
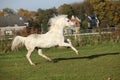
56	20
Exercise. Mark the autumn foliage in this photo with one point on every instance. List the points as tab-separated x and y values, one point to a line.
107	11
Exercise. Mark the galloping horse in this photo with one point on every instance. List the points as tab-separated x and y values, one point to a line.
54	37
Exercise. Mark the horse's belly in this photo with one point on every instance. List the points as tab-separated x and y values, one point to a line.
46	44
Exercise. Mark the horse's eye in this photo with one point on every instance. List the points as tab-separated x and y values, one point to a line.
68	20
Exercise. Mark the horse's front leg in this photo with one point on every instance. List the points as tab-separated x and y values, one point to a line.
44	56
69	44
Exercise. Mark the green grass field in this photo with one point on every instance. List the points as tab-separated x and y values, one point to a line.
97	62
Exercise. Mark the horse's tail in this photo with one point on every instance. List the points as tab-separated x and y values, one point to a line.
18	40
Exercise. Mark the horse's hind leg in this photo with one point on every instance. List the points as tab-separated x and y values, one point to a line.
28	56
44	56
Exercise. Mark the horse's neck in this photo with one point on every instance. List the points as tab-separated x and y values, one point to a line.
57	31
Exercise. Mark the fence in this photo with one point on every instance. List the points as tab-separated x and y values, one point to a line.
5	43
86	37
95	36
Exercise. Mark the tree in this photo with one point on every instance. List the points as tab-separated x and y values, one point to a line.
8	11
78	10
66	9
116	12
88	7
1	13
44	16
26	13
107	10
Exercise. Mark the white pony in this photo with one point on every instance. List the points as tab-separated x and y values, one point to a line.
54	37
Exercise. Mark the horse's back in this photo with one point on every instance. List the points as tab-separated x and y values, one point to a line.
34	35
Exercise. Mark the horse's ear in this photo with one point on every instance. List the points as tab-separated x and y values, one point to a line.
72	17
78	19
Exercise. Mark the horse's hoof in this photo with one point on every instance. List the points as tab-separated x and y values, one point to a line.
77	53
33	64
49	60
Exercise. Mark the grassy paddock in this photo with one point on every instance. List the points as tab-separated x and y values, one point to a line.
98	62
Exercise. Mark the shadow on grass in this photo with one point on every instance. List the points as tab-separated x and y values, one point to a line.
86	57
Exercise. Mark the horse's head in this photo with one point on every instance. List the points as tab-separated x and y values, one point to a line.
66	22
61	21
